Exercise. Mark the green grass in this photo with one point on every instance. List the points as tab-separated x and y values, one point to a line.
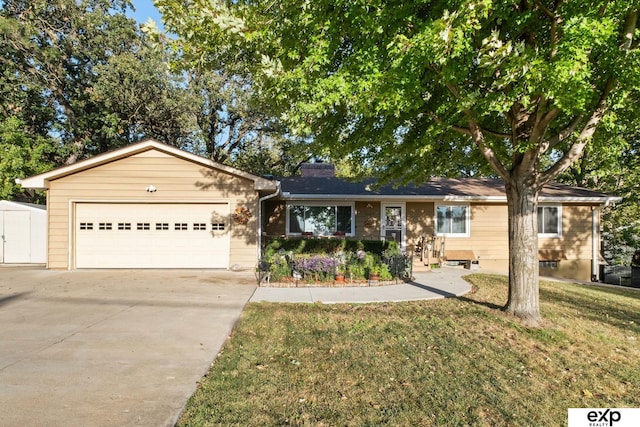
433	363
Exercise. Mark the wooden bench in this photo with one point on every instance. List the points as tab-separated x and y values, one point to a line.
460	255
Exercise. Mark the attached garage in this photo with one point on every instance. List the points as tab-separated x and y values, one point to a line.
23	233
150	205
155	235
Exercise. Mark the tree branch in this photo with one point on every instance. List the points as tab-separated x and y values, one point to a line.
575	151
566	132
477	136
487	152
540	129
555	20
628	30
467	131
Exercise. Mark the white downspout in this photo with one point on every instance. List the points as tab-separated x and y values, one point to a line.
262	199
595	239
595	232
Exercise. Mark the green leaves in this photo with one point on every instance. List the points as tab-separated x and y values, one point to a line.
21	155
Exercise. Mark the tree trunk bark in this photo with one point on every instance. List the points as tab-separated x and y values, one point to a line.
522	199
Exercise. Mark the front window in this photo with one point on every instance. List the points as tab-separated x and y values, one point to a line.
320	220
452	220
549	221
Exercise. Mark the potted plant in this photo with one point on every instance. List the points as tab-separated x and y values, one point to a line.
371	266
374	272
340	259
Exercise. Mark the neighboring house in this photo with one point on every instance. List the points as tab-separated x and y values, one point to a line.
23	233
469	214
150	205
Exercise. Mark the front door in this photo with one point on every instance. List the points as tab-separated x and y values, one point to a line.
15	237
393	223
2	238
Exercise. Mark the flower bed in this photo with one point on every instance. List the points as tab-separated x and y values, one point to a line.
333	264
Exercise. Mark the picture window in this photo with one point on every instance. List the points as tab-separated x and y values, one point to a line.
452	220
320	220
549	221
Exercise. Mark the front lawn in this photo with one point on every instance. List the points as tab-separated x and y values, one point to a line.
446	362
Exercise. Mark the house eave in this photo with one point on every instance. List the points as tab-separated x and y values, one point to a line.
447	198
583	200
373	197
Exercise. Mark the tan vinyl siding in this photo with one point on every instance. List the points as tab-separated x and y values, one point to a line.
488	238
578	269
419	222
275	218
176	180
488	233
575	244
368	220
576	240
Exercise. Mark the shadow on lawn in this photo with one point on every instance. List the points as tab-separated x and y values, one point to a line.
597	309
432	289
482	303
624	317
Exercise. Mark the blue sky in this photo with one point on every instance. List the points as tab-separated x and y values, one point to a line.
145	10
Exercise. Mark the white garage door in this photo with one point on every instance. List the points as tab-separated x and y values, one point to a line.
124	235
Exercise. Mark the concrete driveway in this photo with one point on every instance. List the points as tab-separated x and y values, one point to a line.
110	347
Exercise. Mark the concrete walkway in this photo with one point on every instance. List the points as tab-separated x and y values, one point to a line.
439	283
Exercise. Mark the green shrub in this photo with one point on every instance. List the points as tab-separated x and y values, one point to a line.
320	259
329	246
356	271
279	267
385	274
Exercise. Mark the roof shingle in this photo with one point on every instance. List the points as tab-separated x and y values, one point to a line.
466	188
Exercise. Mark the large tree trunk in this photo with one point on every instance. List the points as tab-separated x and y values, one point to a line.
522	199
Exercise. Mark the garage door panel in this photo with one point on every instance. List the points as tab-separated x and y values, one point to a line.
151	235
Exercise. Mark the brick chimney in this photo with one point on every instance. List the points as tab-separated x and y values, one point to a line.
321	170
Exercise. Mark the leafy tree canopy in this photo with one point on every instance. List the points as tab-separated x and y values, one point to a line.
51	48
612	164
423	88
514	82
22	155
78	78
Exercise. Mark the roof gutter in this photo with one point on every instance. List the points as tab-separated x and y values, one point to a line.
611	201
260	202
452	198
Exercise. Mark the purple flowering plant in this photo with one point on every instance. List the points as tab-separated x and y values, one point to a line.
316	267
